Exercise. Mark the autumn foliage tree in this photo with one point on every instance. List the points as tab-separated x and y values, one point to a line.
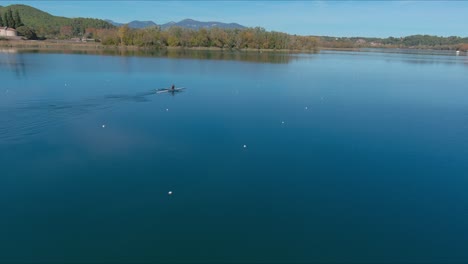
66	31
464	47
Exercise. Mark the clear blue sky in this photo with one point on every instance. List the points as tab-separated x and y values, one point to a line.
332	18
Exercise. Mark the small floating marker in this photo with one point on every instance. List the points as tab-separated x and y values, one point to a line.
169	192
167	109
245	146
282	122
103	126
306	108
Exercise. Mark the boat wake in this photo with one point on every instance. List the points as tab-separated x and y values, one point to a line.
26	119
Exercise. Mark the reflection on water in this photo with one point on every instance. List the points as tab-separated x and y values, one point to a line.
11	59
248	56
409	56
414	51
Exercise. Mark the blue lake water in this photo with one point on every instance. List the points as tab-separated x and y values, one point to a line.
334	157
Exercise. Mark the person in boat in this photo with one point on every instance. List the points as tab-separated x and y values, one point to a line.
173	87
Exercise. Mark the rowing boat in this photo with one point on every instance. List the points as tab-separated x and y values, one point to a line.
169	90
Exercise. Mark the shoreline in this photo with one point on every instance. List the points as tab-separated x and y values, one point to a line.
55	45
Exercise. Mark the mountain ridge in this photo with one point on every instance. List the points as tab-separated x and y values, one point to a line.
134	23
185	23
195	24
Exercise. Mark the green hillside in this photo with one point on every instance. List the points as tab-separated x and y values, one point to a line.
47	25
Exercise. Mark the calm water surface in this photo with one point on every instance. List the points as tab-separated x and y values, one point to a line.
348	157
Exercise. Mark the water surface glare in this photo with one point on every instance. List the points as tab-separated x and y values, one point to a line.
334	157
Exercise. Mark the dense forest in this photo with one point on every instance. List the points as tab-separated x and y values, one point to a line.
32	23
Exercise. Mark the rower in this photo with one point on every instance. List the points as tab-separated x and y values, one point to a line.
173	87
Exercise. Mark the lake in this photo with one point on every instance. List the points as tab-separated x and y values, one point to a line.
333	157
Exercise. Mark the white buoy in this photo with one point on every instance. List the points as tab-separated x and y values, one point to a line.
103	126
306	108
245	146
167	109
169	193
282	122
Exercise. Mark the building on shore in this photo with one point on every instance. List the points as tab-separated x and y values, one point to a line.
7	32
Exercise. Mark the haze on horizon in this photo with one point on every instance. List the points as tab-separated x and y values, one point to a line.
323	18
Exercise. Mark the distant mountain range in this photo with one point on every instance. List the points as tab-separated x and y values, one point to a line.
186	23
134	24
194	24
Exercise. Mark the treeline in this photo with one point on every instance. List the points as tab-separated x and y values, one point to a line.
424	40
80	27
73	27
414	41
251	38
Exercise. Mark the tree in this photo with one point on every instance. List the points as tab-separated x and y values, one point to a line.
1	21
464	47
66	31
17	19
218	37
26	32
108	36
90	32
77	27
5	19
200	38
124	34
10	19
175	34
173	41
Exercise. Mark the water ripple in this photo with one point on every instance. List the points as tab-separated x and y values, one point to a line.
29	118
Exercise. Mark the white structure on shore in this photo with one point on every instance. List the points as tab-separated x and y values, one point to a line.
7	32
